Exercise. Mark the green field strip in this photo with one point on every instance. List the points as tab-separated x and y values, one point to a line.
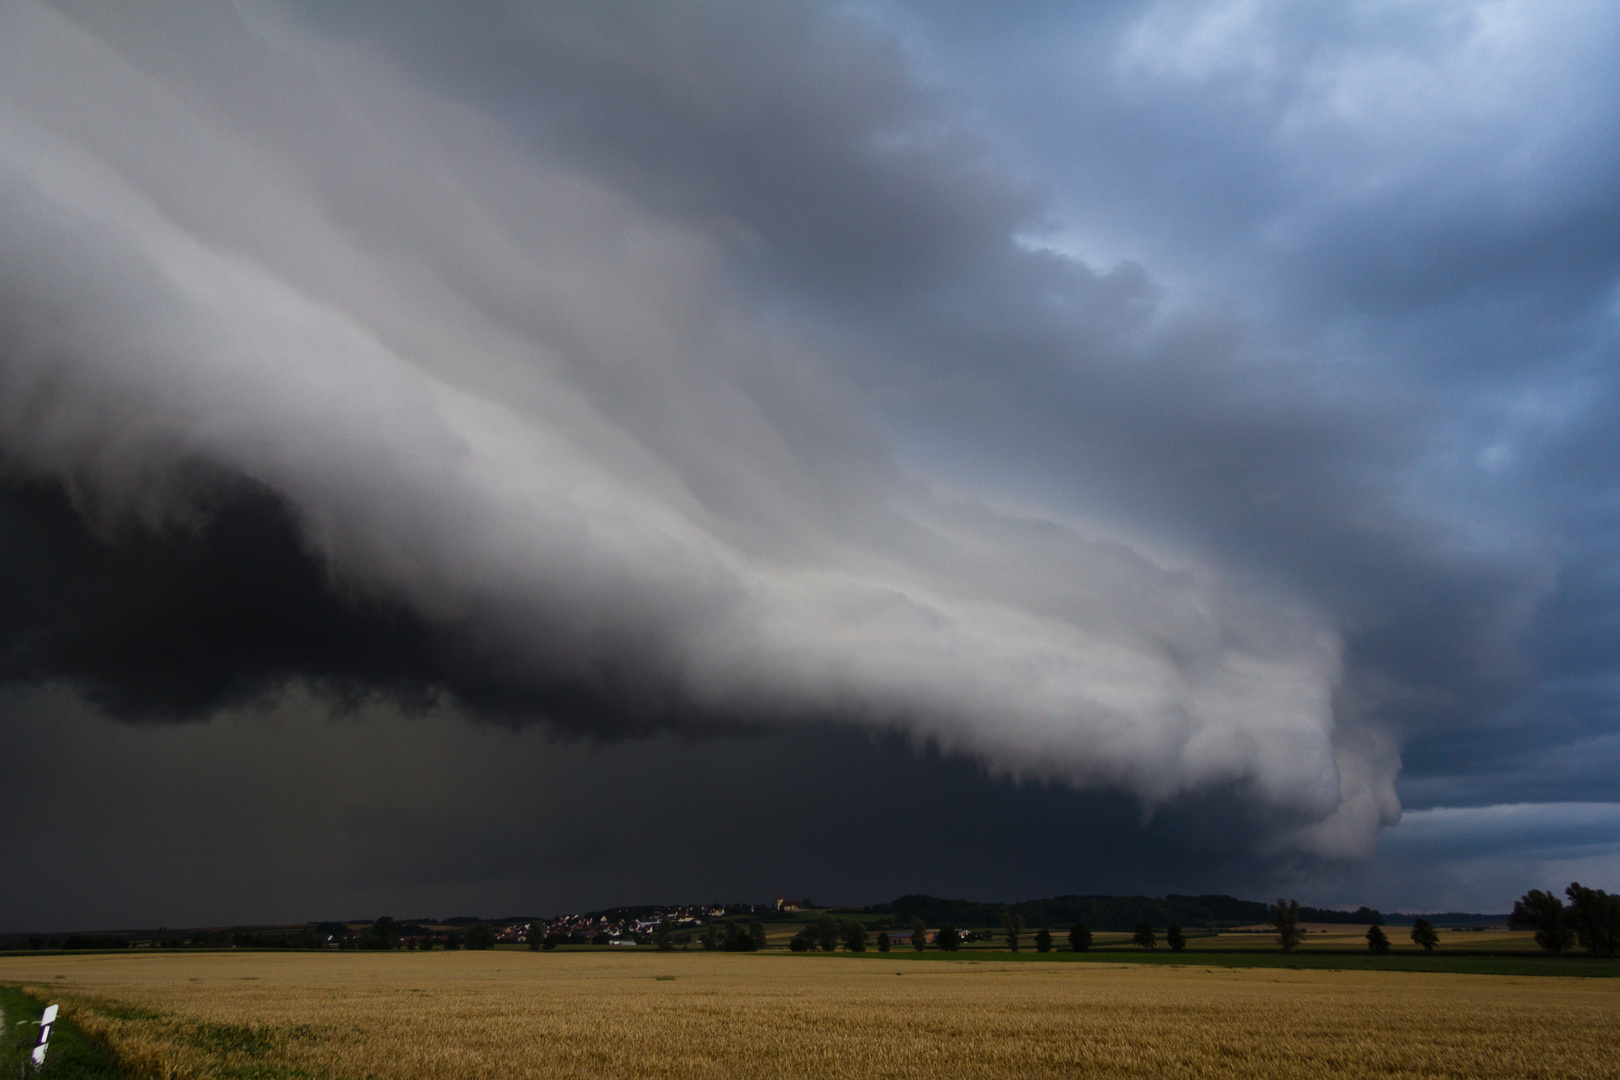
72	1055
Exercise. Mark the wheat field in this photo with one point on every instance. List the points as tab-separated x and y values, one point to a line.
520	1014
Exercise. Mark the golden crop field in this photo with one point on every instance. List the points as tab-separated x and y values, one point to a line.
518	1014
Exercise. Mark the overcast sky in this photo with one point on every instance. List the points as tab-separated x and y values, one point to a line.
502	458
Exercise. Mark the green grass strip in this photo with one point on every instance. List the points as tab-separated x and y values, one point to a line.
72	1054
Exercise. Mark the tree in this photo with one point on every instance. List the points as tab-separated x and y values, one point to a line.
536	935
710	938
664	936
947	938
826	933
383	934
1377	942
1175	939
919	935
735	938
1043	940
1012	925
1545	914
1145	936
601	937
1079	937
1424	937
1596	918
883	941
853	935
1285	917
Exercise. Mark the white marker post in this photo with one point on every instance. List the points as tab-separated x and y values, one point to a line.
45	1022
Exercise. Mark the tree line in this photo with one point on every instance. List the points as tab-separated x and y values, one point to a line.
1591	919
385	934
1108	912
827	934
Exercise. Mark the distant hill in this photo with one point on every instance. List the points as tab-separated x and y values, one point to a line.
1109	912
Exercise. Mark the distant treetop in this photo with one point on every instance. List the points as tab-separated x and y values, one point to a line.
1110	912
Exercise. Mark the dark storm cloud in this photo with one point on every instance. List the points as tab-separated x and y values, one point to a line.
1197	401
802	126
1209	432
304	817
1422	204
492	390
178	626
180	622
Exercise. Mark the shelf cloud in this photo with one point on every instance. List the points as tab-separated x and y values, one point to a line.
639	371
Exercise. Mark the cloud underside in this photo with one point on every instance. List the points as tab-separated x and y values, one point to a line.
630	374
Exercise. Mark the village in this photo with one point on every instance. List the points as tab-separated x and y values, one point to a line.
632	926
616	927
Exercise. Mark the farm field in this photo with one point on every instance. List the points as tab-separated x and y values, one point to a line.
1353	938
1318	937
645	1014
1325	946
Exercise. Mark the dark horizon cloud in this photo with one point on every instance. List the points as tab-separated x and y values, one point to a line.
438	816
1167	413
